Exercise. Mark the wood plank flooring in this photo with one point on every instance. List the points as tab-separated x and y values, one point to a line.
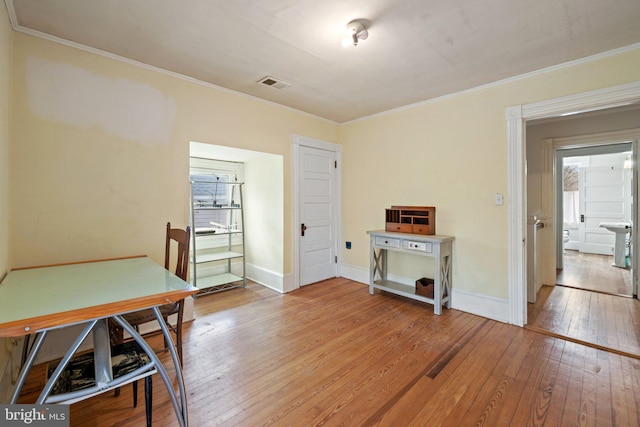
331	354
593	305
600	319
595	273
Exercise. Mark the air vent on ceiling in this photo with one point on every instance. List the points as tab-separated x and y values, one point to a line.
273	82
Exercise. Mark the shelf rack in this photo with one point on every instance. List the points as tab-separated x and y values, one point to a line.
218	245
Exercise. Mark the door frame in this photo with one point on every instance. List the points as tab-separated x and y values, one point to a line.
296	142
583	145
516	118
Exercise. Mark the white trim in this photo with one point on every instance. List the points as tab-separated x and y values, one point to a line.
355	273
17	27
596	139
508	80
470	302
552	148
516	228
516	119
11	11
265	277
481	305
288	283
296	142
595	100
547	209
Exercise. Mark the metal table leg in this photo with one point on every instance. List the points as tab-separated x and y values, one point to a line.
180	408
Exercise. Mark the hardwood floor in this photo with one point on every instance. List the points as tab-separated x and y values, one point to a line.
595	273
593	305
331	354
603	320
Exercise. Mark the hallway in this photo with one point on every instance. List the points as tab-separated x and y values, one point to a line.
594	273
587	306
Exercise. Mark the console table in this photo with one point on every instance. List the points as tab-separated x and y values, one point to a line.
434	246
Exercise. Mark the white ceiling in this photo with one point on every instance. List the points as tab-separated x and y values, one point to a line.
416	50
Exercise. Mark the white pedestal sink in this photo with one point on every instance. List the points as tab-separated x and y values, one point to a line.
621	229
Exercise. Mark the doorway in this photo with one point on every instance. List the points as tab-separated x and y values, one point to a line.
593	187
589	171
517	117
537	187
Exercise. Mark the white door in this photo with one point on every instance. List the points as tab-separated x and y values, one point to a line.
317	228
602	199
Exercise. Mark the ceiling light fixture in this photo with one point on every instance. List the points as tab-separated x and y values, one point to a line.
357	31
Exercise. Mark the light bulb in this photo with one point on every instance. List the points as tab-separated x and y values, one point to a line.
347	41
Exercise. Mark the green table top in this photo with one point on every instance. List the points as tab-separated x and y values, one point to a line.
44	297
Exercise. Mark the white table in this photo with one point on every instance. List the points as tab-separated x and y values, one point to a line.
38	300
437	247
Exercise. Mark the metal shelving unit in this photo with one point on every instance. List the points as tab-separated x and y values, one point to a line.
217	247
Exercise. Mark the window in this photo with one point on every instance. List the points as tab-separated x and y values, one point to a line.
211	191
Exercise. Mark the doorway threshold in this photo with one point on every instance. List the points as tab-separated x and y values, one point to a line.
595	290
581	342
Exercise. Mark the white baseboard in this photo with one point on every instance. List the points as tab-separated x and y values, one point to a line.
288	283
481	305
470	302
357	274
268	278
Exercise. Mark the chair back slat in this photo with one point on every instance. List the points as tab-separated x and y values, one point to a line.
182	238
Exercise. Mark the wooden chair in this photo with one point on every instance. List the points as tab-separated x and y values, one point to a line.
138	318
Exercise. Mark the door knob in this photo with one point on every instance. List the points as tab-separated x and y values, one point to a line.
302	229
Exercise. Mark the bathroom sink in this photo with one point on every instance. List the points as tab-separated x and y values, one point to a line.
617	227
619	249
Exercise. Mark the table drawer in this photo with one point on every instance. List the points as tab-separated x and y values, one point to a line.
398	227
425	247
387	242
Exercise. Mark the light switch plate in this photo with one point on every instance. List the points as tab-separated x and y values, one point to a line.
497	199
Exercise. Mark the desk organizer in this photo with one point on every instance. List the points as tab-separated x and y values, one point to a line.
411	219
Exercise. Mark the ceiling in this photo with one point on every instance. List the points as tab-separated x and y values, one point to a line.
416	49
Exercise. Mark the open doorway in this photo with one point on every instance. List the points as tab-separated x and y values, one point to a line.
578	181
594	201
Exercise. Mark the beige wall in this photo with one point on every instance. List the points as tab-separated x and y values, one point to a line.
89	191
6	37
8	359
263	214
452	153
101	152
